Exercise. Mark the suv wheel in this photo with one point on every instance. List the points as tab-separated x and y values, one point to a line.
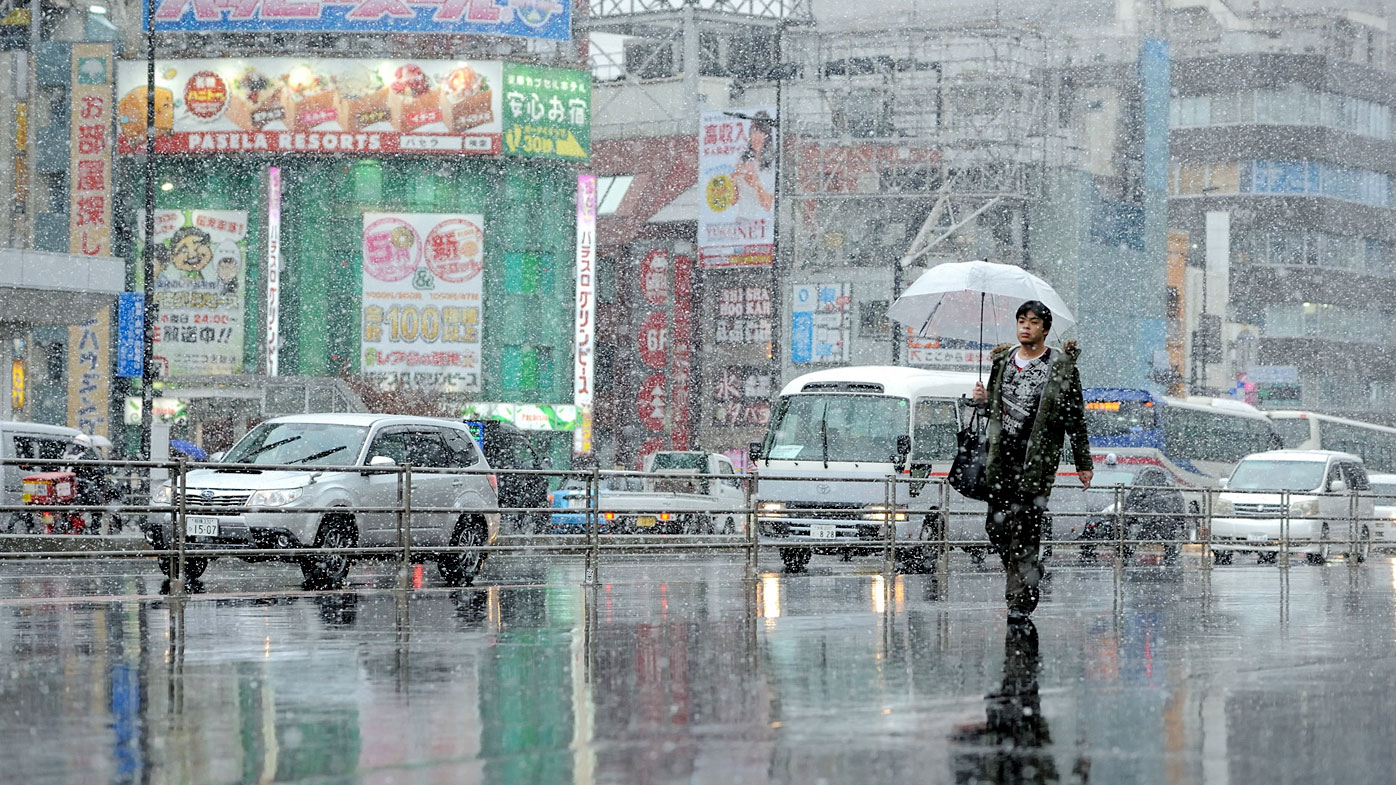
328	570
460	569
193	568
795	558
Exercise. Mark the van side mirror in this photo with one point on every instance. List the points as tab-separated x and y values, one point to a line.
903	450
381	460
216	457
753	452
1338	486
1223	482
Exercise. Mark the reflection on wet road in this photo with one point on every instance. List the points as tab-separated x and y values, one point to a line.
678	671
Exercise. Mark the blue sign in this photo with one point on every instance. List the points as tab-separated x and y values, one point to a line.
545	19
130	334
801	337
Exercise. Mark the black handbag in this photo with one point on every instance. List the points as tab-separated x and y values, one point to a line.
971	455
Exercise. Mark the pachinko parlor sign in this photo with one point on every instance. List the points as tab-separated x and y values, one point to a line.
545	19
288	105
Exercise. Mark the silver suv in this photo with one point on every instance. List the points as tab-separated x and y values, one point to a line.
375	442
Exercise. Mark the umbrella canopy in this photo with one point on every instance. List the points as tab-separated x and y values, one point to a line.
976	301
188	448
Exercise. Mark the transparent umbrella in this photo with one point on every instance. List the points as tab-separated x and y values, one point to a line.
976	301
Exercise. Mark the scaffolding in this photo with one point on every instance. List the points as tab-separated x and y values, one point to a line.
902	138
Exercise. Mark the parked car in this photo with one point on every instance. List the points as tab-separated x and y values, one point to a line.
20	440
1329	506
507	447
1154	509
283	501
1383	492
669	499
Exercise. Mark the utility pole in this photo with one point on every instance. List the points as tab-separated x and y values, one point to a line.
148	248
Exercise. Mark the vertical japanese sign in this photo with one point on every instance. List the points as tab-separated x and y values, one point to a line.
547	112
737	153
422	293
681	366
200	283
20	206
89	361
89	184
820	316
130	334
273	327
584	373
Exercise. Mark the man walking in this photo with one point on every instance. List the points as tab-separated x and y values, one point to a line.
1034	400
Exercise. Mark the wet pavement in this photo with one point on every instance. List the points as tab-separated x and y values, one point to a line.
676	670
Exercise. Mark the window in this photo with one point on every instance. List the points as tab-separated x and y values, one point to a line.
462	448
816	427
427	448
936	429
390	444
610	191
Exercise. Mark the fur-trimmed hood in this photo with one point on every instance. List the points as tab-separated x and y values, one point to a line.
1069	348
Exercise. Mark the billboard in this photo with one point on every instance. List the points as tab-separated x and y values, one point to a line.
820	323
422	291
292	105
200	289
547	112
544	19
737	164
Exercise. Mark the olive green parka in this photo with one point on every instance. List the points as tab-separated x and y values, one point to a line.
1060	414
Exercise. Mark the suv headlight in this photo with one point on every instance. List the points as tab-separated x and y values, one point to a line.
276	498
1223	507
771	509
162	495
879	513
1304	509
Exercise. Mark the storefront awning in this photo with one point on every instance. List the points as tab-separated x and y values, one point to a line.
56	288
683	207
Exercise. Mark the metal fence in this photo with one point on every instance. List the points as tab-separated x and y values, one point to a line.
133	525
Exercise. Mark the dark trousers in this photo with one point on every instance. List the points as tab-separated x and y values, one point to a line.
1014	526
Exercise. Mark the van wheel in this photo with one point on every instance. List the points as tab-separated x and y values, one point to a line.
795	558
328	570
729	526
1221	557
193	568
460	569
1267	557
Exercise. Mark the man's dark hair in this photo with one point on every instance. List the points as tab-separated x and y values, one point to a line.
1038	309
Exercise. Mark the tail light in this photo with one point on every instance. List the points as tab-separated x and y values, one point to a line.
664	516
494	483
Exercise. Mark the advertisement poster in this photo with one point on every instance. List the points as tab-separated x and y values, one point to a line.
200	289
583	367
89	374
737	173
295	105
422	292
820	322
742	396
743	315
89	180
543	19
547	112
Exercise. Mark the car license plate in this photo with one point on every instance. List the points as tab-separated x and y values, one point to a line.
822	531
201	526
646	521
1257	537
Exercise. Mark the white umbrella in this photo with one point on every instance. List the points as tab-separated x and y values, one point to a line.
976	300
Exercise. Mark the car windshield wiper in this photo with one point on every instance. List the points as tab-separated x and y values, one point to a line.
317	456
271	446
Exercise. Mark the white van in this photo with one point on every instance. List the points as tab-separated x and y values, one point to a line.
832	435
1330	506
20	440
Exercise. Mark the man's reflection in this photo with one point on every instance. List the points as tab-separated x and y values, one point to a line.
1013	744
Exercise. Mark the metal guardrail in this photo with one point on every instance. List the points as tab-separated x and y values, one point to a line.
879	521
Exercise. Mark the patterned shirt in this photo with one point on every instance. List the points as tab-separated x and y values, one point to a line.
1022	392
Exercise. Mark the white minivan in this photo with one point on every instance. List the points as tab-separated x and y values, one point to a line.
1330	507
20	440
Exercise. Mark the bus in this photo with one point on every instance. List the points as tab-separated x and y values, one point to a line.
1201	439
1376	444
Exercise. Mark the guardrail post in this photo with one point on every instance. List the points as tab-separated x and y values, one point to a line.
749	532
1207	521
1284	530
593	560
1119	527
180	530
889	528
1352	527
406	531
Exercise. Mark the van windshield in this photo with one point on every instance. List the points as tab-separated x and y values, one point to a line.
271	444
860	428
1263	475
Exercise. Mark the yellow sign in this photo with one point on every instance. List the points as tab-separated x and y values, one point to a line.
18	17
17	385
